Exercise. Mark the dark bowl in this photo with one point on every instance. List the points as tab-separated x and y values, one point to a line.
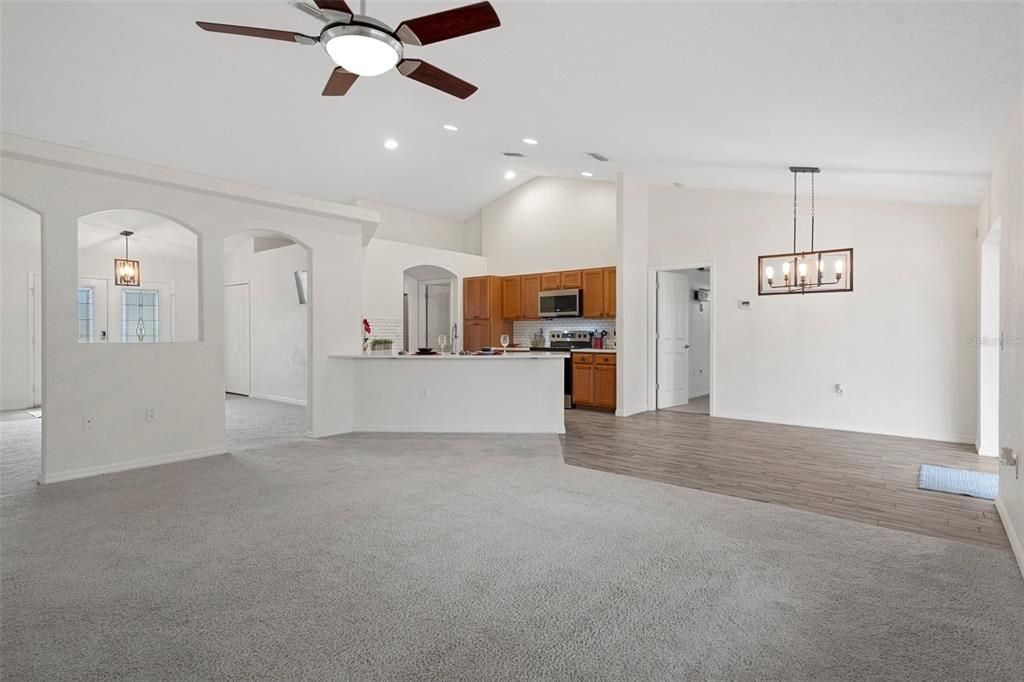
424	350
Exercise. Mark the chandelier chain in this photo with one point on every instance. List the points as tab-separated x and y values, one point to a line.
794	212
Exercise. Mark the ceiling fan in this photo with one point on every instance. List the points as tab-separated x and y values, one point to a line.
364	46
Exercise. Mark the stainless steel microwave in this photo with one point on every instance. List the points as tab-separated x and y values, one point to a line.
562	303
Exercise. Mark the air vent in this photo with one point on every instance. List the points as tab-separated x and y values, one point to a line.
597	156
516	155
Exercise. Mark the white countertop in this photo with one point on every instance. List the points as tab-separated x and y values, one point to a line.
446	356
593	350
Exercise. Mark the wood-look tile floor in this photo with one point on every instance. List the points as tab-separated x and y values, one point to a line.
861	477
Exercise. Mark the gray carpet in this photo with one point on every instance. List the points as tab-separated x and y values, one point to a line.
468	558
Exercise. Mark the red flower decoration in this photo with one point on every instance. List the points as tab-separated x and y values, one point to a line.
366	327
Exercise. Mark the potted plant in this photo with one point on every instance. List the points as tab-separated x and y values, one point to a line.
366	334
381	346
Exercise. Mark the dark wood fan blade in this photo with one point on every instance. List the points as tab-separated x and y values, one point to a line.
428	74
451	23
337	5
339	82
273	34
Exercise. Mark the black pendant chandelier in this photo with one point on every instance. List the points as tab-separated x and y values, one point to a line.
127	273
812	271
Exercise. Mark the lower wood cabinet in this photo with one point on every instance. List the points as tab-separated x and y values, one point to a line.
593	380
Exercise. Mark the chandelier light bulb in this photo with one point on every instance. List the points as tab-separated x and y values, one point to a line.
769	272
785	269
839	266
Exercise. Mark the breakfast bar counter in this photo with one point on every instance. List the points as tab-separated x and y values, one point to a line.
513	393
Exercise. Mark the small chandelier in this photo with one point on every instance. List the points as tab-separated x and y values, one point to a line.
127	273
813	271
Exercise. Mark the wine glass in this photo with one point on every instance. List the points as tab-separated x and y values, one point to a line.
442	341
504	342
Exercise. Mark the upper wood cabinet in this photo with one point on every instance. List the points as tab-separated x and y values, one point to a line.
551	281
529	291
511	303
481	298
593	293
572	279
610	290
599	292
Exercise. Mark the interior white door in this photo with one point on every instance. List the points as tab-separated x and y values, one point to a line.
437	313
236	338
673	339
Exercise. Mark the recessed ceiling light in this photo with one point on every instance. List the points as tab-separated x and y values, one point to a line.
390	144
449	126
510	175
586	174
529	140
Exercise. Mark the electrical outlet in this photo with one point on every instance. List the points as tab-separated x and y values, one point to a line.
87	422
426	394
840	390
151	414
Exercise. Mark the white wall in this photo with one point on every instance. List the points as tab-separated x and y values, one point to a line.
279	324
383	278
114	383
1005	203
632	234
899	343
422	229
19	256
550	224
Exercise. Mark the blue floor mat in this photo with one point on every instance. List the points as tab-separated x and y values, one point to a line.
958	481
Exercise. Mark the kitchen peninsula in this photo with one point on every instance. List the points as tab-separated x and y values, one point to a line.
514	393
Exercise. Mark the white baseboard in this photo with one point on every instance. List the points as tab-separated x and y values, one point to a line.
1011	532
814	424
518	428
327	433
278	399
141	463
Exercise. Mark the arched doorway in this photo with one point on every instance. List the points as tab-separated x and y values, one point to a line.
429	307
267	336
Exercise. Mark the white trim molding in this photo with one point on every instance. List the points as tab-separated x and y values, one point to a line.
140	463
278	398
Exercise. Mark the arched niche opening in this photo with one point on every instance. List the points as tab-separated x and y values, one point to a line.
267	331
429	306
138	278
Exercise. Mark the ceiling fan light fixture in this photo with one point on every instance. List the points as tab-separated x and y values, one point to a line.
362	50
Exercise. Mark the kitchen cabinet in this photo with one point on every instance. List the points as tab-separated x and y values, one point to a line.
593	380
476	298
610	290
582	379
483	322
529	291
572	279
511	304
593	293
604	386
551	281
476	334
599	292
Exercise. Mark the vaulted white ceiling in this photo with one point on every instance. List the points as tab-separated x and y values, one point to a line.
893	100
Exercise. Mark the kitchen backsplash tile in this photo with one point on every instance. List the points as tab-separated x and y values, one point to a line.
387	328
523	329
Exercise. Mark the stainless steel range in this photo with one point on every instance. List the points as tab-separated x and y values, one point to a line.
568	340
